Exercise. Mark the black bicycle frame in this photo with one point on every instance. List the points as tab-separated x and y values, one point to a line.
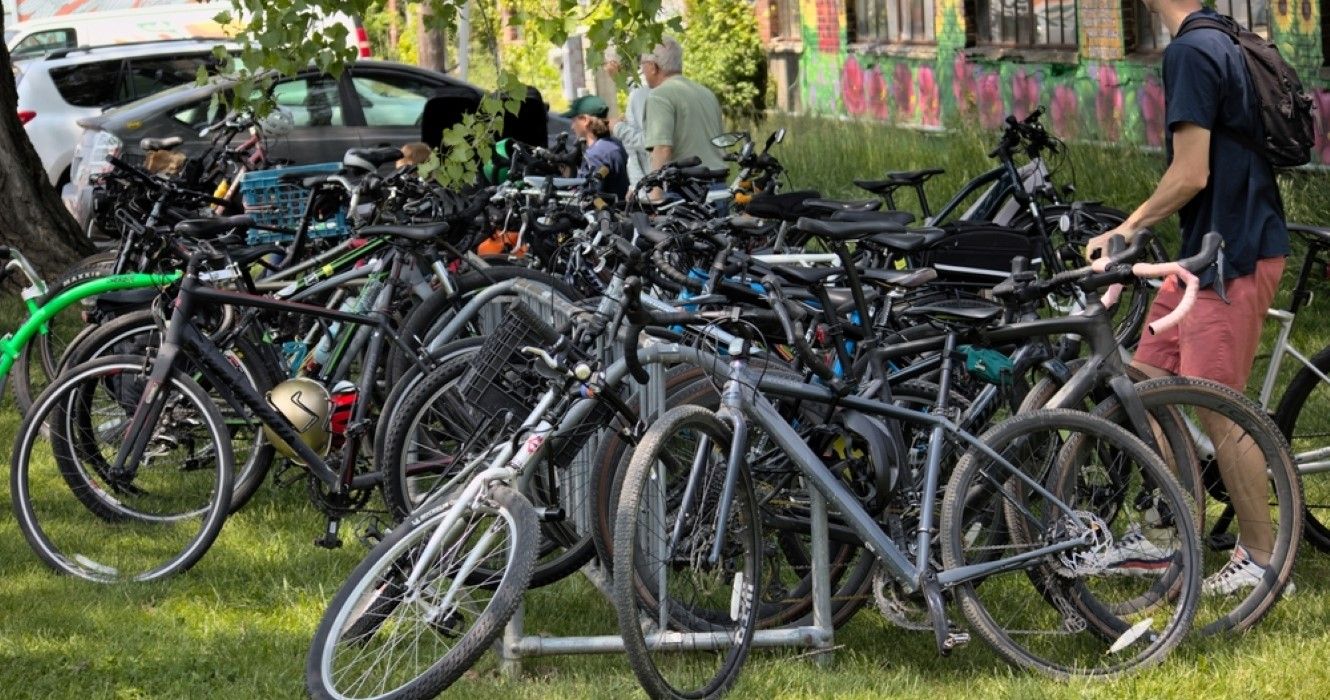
182	336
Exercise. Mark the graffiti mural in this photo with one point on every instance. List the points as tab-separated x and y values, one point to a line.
1098	92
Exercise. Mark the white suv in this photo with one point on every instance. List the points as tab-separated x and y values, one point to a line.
58	89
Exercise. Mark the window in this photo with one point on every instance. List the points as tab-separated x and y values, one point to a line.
150	75
204	112
1146	32
1033	23
313	101
893	21
390	100
90	84
787	20
42	42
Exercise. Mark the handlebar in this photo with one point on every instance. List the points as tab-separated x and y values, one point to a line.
1185	269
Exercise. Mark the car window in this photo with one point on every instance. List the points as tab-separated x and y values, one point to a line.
313	101
392	100
152	74
204	112
90	84
41	42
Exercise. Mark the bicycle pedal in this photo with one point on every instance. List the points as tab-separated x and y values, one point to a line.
372	533
955	640
330	540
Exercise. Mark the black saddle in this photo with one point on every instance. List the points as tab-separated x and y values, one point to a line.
846	230
893	217
910	241
369	159
903	178
209	228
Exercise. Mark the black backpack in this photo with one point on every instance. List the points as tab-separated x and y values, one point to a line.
1286	108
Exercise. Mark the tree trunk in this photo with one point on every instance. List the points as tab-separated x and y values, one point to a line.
35	221
392	24
433	53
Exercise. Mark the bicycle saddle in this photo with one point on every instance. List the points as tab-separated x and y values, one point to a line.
904	279
368	160
847	230
786	206
807	276
560	183
971	314
832	205
208	228
908	241
166	144
893	217
424	232
899	178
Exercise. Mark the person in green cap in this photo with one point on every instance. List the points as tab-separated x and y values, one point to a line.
602	150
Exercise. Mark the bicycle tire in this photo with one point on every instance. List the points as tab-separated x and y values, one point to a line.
634	599
135	332
1080	635
1306	432
1171	392
371	590
851	571
110	525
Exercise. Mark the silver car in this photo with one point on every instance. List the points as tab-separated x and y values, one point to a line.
55	91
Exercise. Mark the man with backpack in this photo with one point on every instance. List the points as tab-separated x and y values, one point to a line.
1224	90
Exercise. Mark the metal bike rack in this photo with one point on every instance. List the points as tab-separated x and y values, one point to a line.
516	645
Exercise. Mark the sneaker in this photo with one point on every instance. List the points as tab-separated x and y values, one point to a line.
1131	555
1239	574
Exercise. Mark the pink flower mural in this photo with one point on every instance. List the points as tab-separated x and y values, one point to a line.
1025	90
1322	149
1151	99
877	93
852	87
1108	102
963	85
902	89
930	98
988	95
1065	112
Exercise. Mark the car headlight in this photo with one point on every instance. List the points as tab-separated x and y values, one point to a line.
92	154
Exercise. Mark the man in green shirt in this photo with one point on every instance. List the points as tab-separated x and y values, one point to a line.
681	116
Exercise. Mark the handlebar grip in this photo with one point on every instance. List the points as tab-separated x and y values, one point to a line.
635	368
1211	244
686	163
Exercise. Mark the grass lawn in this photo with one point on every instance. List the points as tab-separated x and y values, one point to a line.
239	624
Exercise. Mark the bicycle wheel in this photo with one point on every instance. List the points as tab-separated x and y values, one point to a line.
1069	613
381	637
136	332
701	614
85	520
1276	490
1303	417
785	594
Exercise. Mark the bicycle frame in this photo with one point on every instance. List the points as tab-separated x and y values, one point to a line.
182	336
12	345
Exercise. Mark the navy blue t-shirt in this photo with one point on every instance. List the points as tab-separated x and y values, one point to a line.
611	154
1206	83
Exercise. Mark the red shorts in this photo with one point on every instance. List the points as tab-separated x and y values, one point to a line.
1215	340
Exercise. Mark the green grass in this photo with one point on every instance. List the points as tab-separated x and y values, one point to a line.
239	624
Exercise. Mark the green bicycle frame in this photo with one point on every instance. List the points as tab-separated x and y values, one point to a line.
39	316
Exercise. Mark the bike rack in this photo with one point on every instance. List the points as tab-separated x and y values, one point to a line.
516	645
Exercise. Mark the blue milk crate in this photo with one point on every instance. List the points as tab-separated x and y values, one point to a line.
275	203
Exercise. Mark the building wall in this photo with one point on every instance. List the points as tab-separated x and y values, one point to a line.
1097	92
